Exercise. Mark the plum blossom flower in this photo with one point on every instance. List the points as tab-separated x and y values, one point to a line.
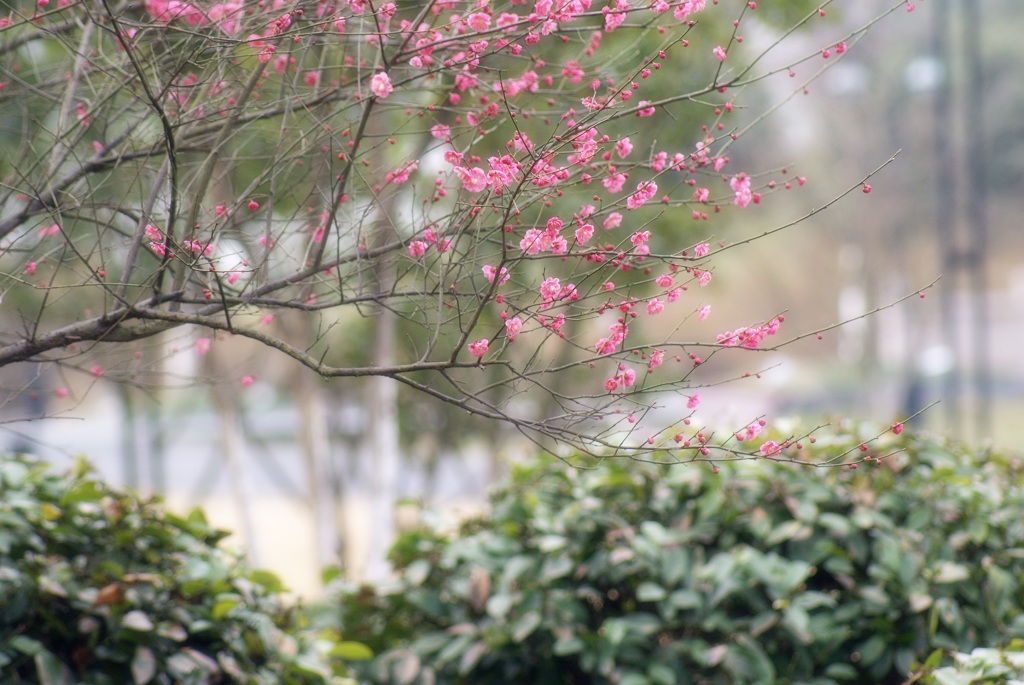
740	183
645	190
749	337
473	179
417	248
490	273
513	327
769	448
623	148
478	348
693	401
550	289
584	233
613	220
380	85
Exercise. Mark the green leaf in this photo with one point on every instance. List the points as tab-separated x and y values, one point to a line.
525	626
499	605
948	572
223	606
556	567
143	665
49	669
567	644
417	572
650	592
268	579
83	491
138	621
351	651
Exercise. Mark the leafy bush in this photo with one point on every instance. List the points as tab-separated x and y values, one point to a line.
982	665
101	587
636	574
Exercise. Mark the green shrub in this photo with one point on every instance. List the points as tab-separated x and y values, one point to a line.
637	574
982	665
103	588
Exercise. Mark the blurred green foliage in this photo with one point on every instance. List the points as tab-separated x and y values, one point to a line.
637	573
101	587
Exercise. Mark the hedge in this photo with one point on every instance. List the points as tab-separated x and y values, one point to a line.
637	574
102	587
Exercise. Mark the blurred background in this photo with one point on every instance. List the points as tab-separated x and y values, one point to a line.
306	474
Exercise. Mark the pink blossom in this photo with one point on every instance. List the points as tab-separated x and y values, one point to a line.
513	327
417	248
479	21
897	428
686	7
701	194
655	306
655	359
401	174
613	18
247	381
614	183
703	312
584	233
693	401
663	281
478	348
490	272
380	85
550	289
202	346
644	192
605	346
769	448
701	250
645	109
740	183
611	384
48	231
719	53
703	277
441	131
96	371
749	337
613	220
623	148
473	179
